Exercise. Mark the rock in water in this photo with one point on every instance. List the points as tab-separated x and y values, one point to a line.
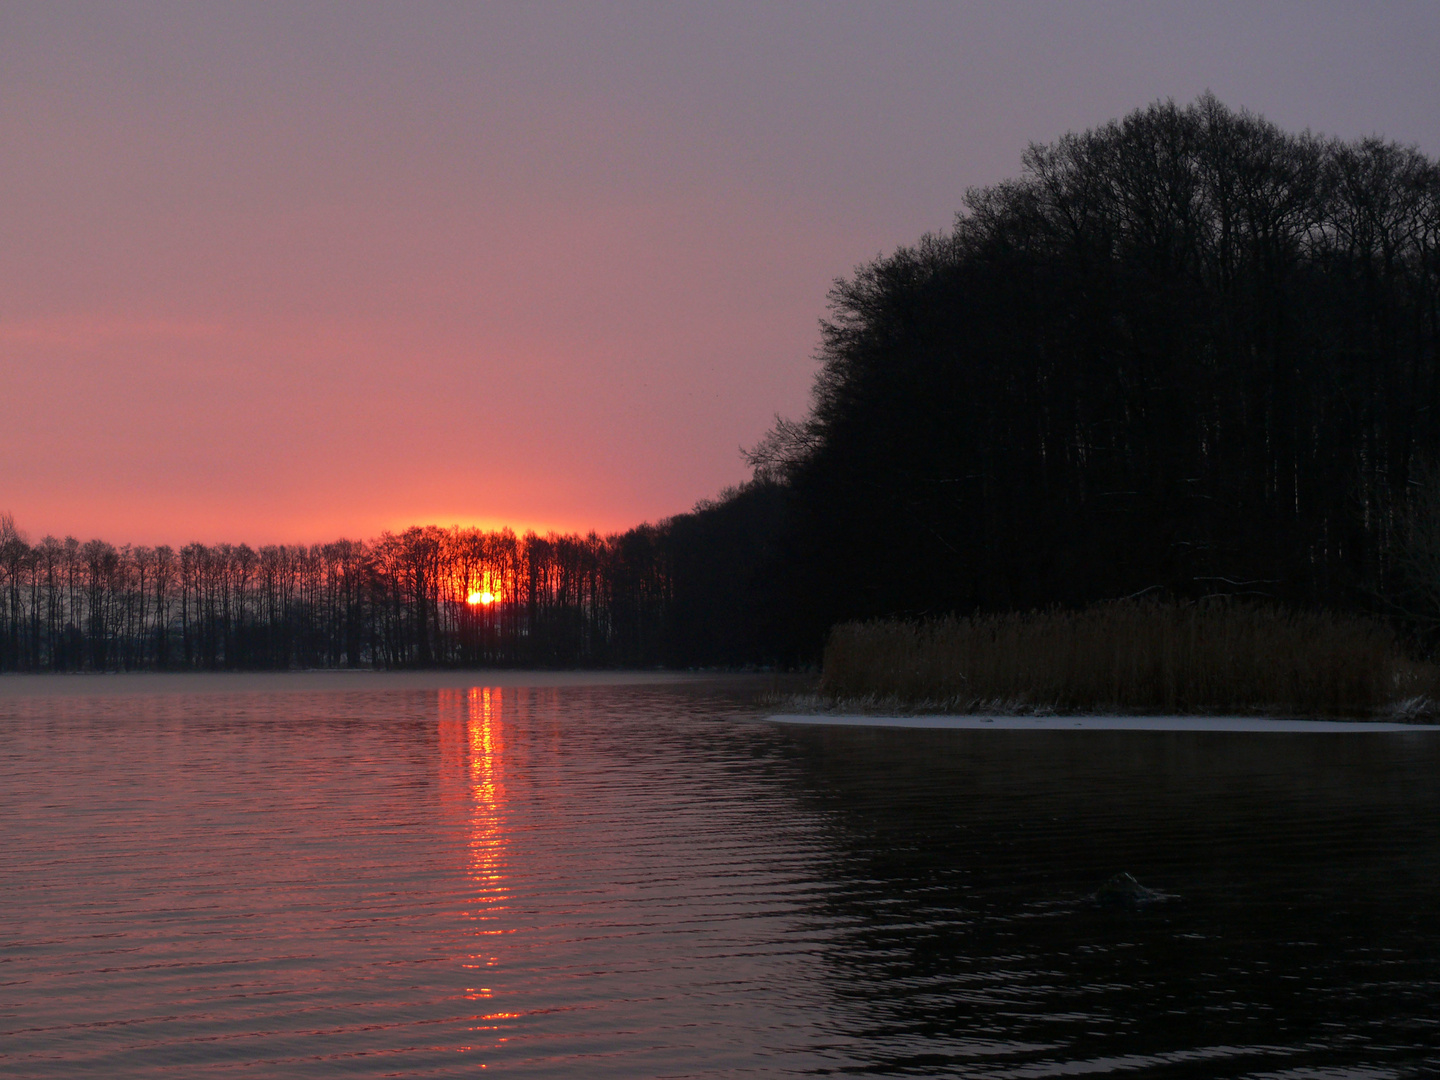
1122	890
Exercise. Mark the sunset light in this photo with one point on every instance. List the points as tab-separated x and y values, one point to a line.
631	538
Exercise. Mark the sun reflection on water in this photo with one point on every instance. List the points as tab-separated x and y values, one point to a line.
472	746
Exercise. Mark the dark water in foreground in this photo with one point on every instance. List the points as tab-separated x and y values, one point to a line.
645	880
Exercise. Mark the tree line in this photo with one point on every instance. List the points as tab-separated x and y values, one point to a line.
1184	353
425	597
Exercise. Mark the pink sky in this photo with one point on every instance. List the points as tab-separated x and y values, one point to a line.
293	272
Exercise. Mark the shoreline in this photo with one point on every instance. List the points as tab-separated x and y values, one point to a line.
1254	724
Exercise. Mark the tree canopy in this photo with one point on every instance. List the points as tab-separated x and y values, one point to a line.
1184	352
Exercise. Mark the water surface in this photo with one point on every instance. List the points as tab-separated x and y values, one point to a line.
586	876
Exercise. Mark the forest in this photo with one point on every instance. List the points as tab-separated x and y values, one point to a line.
426	597
1184	354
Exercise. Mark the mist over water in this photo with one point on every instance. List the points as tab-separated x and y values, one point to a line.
570	876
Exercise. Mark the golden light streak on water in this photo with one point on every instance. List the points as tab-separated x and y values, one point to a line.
472	743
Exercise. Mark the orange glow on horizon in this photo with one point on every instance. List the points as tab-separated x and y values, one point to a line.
485	597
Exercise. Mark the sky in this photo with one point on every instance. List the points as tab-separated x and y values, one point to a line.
290	272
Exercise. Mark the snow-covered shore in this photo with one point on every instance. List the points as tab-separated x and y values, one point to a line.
1100	723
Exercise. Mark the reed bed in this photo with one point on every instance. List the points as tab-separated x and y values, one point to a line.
1130	656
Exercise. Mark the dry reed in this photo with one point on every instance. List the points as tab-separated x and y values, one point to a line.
1130	656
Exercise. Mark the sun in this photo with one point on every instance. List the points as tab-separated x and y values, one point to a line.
486	598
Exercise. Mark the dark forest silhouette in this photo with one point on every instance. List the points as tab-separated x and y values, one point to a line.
1183	354
636	599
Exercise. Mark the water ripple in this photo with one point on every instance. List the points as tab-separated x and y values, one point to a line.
649	880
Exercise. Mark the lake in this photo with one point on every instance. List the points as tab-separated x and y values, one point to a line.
636	876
